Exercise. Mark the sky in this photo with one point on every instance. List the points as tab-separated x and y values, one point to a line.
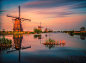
58	15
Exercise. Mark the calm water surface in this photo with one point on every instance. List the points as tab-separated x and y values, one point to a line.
74	49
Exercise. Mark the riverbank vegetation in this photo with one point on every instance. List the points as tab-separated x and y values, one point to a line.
4	42
51	42
75	32
37	31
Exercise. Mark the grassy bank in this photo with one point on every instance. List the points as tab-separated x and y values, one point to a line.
4	42
16	32
75	32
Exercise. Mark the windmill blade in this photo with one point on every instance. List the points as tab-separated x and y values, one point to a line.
11	51
25	19
25	47
8	15
14	17
11	16
20	49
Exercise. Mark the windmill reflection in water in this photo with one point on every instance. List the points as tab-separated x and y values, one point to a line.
18	44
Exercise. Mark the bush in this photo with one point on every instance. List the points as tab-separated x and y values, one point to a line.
6	41
37	31
31	33
50	41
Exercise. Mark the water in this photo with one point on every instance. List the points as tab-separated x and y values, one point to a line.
74	49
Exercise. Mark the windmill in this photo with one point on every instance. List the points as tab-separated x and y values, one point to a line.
40	27
18	20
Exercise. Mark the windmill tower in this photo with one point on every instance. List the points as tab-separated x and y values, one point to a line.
40	27
18	20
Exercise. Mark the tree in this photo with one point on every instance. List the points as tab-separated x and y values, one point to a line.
82	29
37	31
3	30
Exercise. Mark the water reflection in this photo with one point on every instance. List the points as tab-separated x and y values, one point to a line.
71	34
17	42
53	46
37	36
40	53
45	35
5	44
49	46
82	37
3	49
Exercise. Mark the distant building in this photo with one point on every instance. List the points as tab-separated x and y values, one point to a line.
46	29
39	27
50	30
82	29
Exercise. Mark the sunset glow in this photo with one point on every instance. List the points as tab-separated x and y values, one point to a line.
54	14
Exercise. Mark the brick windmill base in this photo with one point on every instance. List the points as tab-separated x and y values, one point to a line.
17	25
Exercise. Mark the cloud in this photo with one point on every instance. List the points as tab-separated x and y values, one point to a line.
54	3
79	5
37	4
2	10
50	7
65	5
60	13
54	14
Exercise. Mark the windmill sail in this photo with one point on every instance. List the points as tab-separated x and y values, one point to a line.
18	20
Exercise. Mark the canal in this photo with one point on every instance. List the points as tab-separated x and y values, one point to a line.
28	48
